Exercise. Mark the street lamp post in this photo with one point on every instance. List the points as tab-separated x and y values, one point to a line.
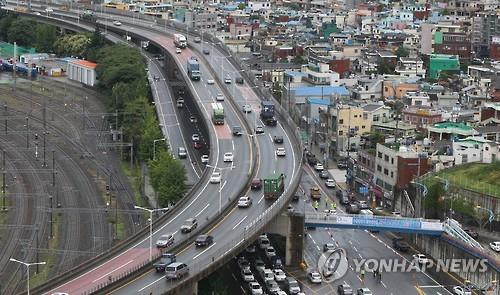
490	218
150	227
220	182
154	145
27	270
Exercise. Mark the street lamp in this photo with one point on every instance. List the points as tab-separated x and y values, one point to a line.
154	145
27	270
490	218
220	182
150	227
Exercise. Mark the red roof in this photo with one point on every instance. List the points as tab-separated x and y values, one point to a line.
84	63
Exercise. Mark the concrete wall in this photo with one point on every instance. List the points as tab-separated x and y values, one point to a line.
292	227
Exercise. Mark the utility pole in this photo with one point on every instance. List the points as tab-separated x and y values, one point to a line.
51	220
4	170
44	164
27	135
37	246
5	114
83	113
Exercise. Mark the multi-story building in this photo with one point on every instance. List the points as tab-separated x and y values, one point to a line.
348	123
255	6
441	62
410	67
485	26
320	74
421	117
456	43
475	149
203	21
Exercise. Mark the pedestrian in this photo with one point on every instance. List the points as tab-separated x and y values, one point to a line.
362	274
379	277
375	273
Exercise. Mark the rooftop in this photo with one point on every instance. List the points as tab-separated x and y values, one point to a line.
320	91
452	125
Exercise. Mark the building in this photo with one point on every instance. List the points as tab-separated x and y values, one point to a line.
450	131
419	99
456	43
421	117
396	89
201	20
410	67
255	6
348	124
82	71
441	62
320	74
475	149
485	27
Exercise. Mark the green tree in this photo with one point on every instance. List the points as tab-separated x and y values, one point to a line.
241	6
74	44
150	132
97	41
46	36
5	23
21	31
299	59
402	52
385	68
168	178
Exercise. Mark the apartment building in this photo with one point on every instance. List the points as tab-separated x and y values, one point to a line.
410	67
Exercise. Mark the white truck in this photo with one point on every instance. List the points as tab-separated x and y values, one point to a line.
180	41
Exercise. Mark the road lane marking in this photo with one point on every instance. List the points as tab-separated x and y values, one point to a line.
147	286
260	200
112	271
198	255
222	186
202	210
240	222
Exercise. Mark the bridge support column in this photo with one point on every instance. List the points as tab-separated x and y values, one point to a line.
169	67
292	226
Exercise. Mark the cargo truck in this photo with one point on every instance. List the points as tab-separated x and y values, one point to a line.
267	113
88	15
217	113
193	68
274	185
180	41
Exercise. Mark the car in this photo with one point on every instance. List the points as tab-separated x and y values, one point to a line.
272	287
342	165
228	157
266	274
344	289
255	288
328	247
197	145
459	290
203	240
206	51
259	129
495	246
352	209
362	205
290	208
193	119
366	212
295	198
473	234
178	50
210	81
270	252
281	292
420	258
292	285
244	202
400	245
195	137
324	174
250	249
330	183
197	39
166	259
364	291
278	139
204	159
259	265
189	225
247	275
219	97
117	23
181	152
256	183
228	80
237	131
319	167
263	241
50	10
239	80
165	241
280	152
243	264
314	277
215	178
276	261
247	108
396	213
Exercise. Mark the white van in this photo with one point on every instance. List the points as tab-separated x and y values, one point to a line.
176	270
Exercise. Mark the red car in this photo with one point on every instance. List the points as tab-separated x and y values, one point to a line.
256	183
197	145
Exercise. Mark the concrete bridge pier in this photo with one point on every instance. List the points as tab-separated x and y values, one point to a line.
290	225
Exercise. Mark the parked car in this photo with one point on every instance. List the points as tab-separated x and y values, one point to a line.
263	242
259	264
344	289
255	288
256	183
352	209
364	291
165	260
247	275
270	252
189	225
243	263
272	287
203	240
314	277
342	165
165	241
319	167
292	285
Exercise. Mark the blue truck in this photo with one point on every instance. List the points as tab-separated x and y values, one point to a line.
267	113
193	68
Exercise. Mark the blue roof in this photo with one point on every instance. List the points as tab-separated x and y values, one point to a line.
320	90
295	74
318	101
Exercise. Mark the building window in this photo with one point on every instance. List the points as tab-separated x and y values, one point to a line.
363	127
392	174
341	133
386	158
392	160
355	116
341	121
380	155
375	118
386	171
379	168
365	116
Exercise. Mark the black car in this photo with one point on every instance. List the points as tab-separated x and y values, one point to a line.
399	244
344	200
295	198
203	240
345	289
205	51
165	260
342	165
237	131
239	80
352	209
324	174
278	139
471	233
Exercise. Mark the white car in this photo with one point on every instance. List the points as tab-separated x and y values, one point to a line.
228	80
219	97
228	157
364	291
319	167
210	81
178	50
396	213
279	275
247	108
264	241
495	246
420	259
459	290
195	137
255	288
244	202
270	252
247	275
204	159
314	277
49	10
280	152
37	13
259	265
215	178
330	183
165	241
117	23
